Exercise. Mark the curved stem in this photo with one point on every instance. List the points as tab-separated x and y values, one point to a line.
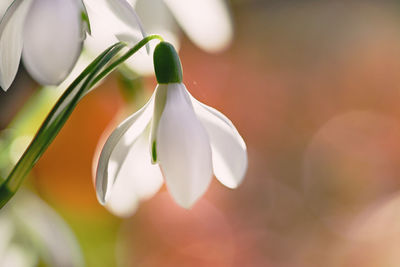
53	124
61	111
124	57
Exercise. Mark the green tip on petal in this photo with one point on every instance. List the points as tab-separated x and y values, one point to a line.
167	64
154	152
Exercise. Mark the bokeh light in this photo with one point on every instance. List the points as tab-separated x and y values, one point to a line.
314	89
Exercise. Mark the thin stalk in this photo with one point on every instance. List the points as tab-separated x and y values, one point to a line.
62	110
53	124
127	55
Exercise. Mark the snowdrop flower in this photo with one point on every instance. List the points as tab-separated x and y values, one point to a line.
111	21
47	33
212	32
207	23
173	136
31	232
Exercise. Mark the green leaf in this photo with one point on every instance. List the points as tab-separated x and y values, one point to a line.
61	111
54	122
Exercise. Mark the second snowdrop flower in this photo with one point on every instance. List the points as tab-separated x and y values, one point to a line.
174	137
47	33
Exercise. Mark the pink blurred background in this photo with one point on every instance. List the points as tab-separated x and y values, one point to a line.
314	89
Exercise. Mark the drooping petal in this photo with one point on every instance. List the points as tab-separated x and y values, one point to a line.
17	255
52	39
7	230
11	40
229	153
105	25
206	22
155	16
160	97
86	28
127	132
136	180
83	61
47	230
108	28
3	6
183	148
124	10
156	19
126	13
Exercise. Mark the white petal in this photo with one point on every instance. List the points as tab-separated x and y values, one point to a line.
155	16
4	4
7	230
156	19
160	99
130	130
96	43
85	27
48	231
183	148
105	25
11	40
206	22
136	180
19	256
229	153
83	61
52	39
126	13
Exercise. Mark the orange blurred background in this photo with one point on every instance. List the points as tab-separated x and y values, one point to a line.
314	89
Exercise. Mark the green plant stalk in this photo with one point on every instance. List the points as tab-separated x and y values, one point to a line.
61	112
53	124
124	57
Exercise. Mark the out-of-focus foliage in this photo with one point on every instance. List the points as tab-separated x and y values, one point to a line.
313	86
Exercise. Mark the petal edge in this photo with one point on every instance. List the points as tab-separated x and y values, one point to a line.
11	40
52	39
141	118
183	148
229	150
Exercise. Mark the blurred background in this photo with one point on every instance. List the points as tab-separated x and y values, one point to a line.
314	89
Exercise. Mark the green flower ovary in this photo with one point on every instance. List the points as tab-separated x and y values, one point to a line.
167	64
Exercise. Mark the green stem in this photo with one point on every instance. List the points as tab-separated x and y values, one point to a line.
127	55
53	124
61	111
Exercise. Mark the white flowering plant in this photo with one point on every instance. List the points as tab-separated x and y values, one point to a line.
173	138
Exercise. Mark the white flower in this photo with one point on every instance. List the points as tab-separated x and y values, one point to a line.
185	140
31	232
47	33
111	21
207	23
